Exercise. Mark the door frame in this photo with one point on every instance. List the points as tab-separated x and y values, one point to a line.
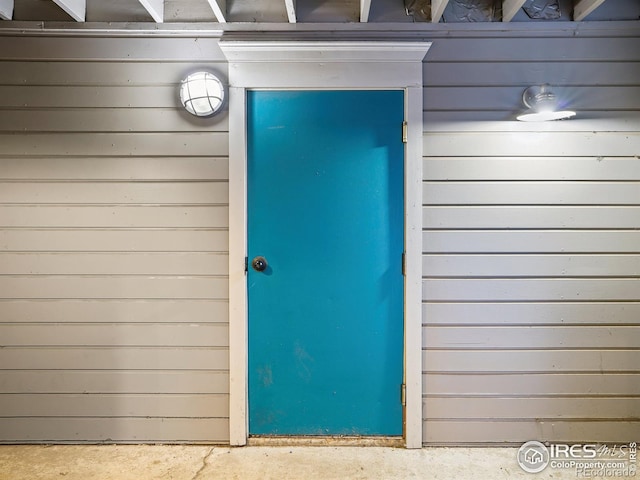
319	65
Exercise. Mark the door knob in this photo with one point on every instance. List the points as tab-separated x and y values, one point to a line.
259	264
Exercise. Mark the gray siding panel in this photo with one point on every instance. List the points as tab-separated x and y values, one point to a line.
154	193
116	382
549	217
113	244
474	432
114	216
531	265
169	310
79	96
494	121
499	384
522	167
190	51
116	429
531	193
516	47
531	360
95	239
137	357
102	119
580	98
531	313
126	168
116	144
115	263
488	73
532	241
115	335
531	337
122	73
105	405
571	144
531	282
531	289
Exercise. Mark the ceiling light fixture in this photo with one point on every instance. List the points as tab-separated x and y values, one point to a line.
543	105
202	94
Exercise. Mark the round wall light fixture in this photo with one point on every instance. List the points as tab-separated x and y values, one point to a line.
543	105
202	94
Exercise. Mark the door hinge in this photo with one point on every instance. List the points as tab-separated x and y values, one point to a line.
403	395
405	132
246	264
404	264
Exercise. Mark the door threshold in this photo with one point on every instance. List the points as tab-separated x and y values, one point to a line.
325	441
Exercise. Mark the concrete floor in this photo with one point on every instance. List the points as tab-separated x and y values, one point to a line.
148	462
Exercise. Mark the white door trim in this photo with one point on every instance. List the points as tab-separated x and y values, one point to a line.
324	65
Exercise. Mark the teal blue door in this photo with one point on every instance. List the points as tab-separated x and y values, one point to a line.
325	193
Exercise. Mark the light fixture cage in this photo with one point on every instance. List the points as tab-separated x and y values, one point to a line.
543	105
540	98
202	94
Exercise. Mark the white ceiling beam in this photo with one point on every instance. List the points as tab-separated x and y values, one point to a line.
6	9
219	8
155	9
584	8
365	7
290	5
77	9
437	9
510	8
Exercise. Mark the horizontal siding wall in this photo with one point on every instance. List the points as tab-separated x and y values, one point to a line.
114	241
113	244
531	243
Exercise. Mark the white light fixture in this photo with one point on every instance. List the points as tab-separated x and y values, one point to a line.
202	94
543	105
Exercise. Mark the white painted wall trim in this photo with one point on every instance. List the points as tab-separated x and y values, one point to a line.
6	9
219	8
437	9
155	9
76	8
413	268
290	5
324	65
584	7
238	338
365	8
510	8
306	31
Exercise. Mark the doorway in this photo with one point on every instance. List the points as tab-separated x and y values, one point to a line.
325	243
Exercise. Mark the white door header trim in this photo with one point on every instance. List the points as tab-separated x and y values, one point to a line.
322	64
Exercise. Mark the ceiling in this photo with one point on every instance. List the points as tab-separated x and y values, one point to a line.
318	11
